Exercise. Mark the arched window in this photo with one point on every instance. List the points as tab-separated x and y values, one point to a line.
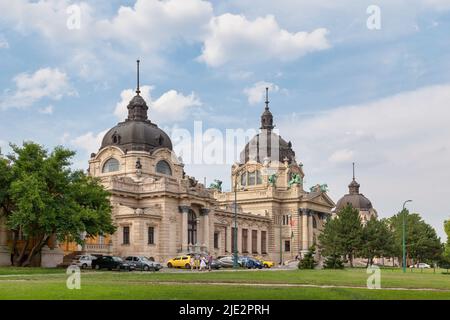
314	221
251	178
244	179
163	167
192	227
111	165
258	177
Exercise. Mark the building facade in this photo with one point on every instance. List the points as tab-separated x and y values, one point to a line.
161	212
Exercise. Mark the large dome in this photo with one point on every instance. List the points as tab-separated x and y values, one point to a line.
356	199
137	133
267	144
260	147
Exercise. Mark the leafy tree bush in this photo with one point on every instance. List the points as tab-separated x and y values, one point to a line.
308	260
43	199
333	262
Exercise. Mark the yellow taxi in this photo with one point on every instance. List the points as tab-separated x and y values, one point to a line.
179	262
267	263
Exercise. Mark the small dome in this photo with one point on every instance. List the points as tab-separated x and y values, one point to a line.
358	201
137	133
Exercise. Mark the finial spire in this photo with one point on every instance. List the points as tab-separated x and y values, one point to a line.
353	171
138	91
267	98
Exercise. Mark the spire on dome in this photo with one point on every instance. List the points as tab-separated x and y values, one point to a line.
137	108
138	91
267	117
353	187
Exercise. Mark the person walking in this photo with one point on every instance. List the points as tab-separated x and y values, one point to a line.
202	263
192	263
210	260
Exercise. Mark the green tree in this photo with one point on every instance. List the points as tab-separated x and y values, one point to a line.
308	261
333	261
377	240
342	235
422	242
44	199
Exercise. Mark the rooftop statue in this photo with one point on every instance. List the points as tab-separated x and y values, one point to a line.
295	179
273	179
217	185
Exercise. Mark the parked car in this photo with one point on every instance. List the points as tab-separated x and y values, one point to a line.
216	264
83	261
111	263
179	262
143	264
251	263
228	261
266	263
420	265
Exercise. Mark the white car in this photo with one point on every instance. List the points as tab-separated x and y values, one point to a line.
83	261
420	266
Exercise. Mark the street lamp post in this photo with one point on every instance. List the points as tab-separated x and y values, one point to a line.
404	236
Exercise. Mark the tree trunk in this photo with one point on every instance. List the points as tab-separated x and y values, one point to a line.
350	258
18	262
35	250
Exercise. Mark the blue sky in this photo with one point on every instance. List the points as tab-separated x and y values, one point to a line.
339	91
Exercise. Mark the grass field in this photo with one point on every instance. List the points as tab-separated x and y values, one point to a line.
18	283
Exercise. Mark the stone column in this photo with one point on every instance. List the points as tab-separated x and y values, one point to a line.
258	242
228	238
249	241
305	213
184	228
205	213
311	229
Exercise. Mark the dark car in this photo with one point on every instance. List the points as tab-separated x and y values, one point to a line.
143	264
111	263
251	263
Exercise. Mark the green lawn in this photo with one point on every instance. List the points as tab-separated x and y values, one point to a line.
51	284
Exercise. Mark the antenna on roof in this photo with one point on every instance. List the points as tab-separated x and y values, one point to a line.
267	97
138	89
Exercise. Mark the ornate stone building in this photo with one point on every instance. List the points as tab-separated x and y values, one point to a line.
161	212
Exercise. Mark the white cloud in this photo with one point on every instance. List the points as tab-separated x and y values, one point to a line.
47	110
234	38
89	142
3	43
153	24
256	93
170	106
400	145
342	156
30	88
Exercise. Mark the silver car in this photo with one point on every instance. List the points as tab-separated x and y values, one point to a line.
83	261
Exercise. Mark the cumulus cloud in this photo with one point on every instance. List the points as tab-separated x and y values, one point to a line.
170	106
400	145
160	21
89	142
234	37
30	88
256	93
